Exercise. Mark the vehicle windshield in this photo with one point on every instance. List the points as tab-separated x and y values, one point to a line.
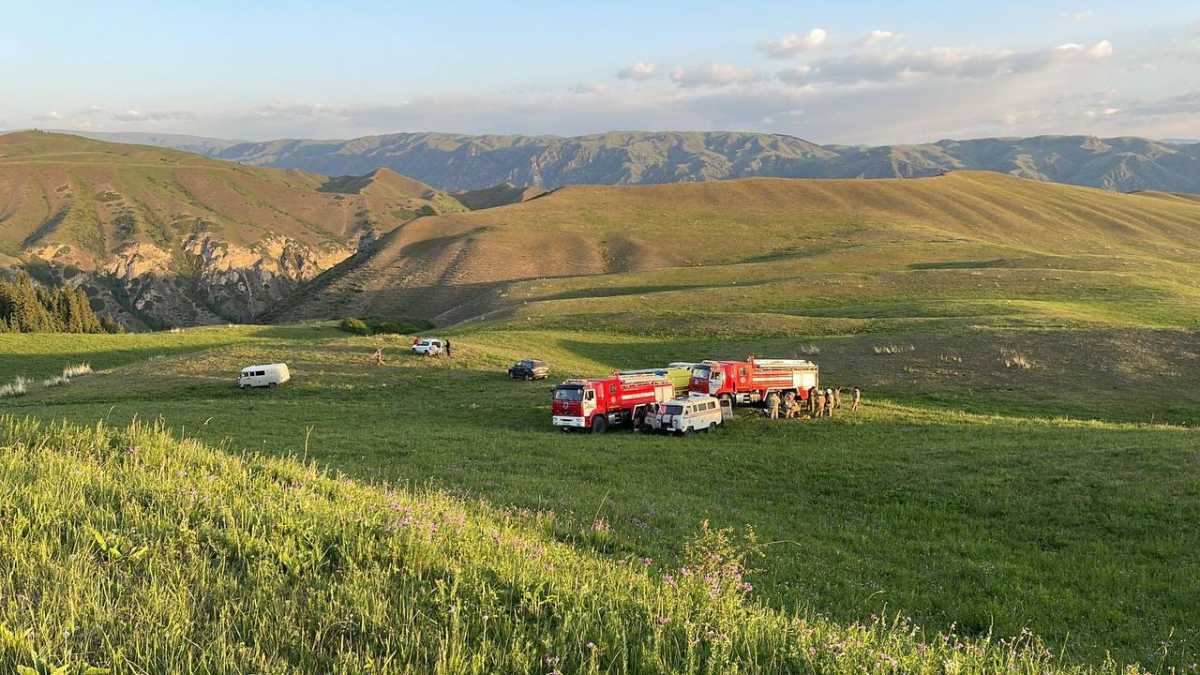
674	410
525	364
700	372
568	393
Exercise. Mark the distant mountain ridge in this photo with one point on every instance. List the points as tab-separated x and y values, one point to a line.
460	163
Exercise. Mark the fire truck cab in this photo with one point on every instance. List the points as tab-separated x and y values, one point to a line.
597	404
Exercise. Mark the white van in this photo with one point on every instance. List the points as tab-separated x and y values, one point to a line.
263	376
685	415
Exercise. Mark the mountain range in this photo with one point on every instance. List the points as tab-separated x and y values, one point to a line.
456	162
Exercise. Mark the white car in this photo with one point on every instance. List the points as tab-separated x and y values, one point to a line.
429	347
684	415
268	375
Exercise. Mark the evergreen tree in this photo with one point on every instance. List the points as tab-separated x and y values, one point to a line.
26	308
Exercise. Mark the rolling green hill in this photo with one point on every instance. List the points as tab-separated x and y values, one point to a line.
967	241
165	237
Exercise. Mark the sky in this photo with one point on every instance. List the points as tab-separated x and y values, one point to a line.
856	72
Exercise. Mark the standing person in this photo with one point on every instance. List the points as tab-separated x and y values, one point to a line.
828	402
837	398
818	403
447	349
812	402
857	398
378	356
773	405
789	405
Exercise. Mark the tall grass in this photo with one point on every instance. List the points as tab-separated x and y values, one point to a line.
131	550
18	387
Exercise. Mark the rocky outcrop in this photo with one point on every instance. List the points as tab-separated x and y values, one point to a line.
204	281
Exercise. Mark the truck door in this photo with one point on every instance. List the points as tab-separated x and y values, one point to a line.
589	402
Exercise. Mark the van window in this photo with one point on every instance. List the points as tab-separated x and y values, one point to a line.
674	409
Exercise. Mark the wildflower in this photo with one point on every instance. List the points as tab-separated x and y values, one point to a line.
745	587
591	645
662	620
669	580
647	561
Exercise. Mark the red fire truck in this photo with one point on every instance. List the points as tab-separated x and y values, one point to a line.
752	380
600	403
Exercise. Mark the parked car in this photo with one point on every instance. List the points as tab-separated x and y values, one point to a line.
269	375
529	369
429	347
685	415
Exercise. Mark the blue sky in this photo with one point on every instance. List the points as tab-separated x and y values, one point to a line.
852	72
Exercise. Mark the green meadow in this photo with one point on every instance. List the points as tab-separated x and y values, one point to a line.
1057	495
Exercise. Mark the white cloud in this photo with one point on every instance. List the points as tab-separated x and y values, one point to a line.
793	44
903	65
1101	50
878	36
797	75
132	115
711	75
590	89
638	71
49	116
1081	15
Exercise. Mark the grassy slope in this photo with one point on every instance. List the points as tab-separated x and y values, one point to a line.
132	551
1084	532
911	239
95	196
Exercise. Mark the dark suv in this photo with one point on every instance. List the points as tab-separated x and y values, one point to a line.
529	369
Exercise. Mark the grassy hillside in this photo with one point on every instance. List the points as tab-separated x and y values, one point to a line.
95	197
131	550
160	238
968	493
805	247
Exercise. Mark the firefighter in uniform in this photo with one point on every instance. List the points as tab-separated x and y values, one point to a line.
773	405
837	398
857	398
789	405
378	357
818	403
812	402
828	402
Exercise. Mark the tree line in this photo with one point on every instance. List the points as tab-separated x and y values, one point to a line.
27	308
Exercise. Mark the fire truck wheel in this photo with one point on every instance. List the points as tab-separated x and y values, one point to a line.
599	424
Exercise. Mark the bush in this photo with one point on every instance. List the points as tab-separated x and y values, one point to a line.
18	387
356	326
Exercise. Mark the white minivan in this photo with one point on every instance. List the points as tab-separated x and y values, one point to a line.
268	375
684	415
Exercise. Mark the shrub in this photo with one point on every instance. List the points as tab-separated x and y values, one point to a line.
56	381
18	387
77	370
1015	359
893	349
356	326
808	350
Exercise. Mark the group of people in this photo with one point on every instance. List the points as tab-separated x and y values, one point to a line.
818	403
